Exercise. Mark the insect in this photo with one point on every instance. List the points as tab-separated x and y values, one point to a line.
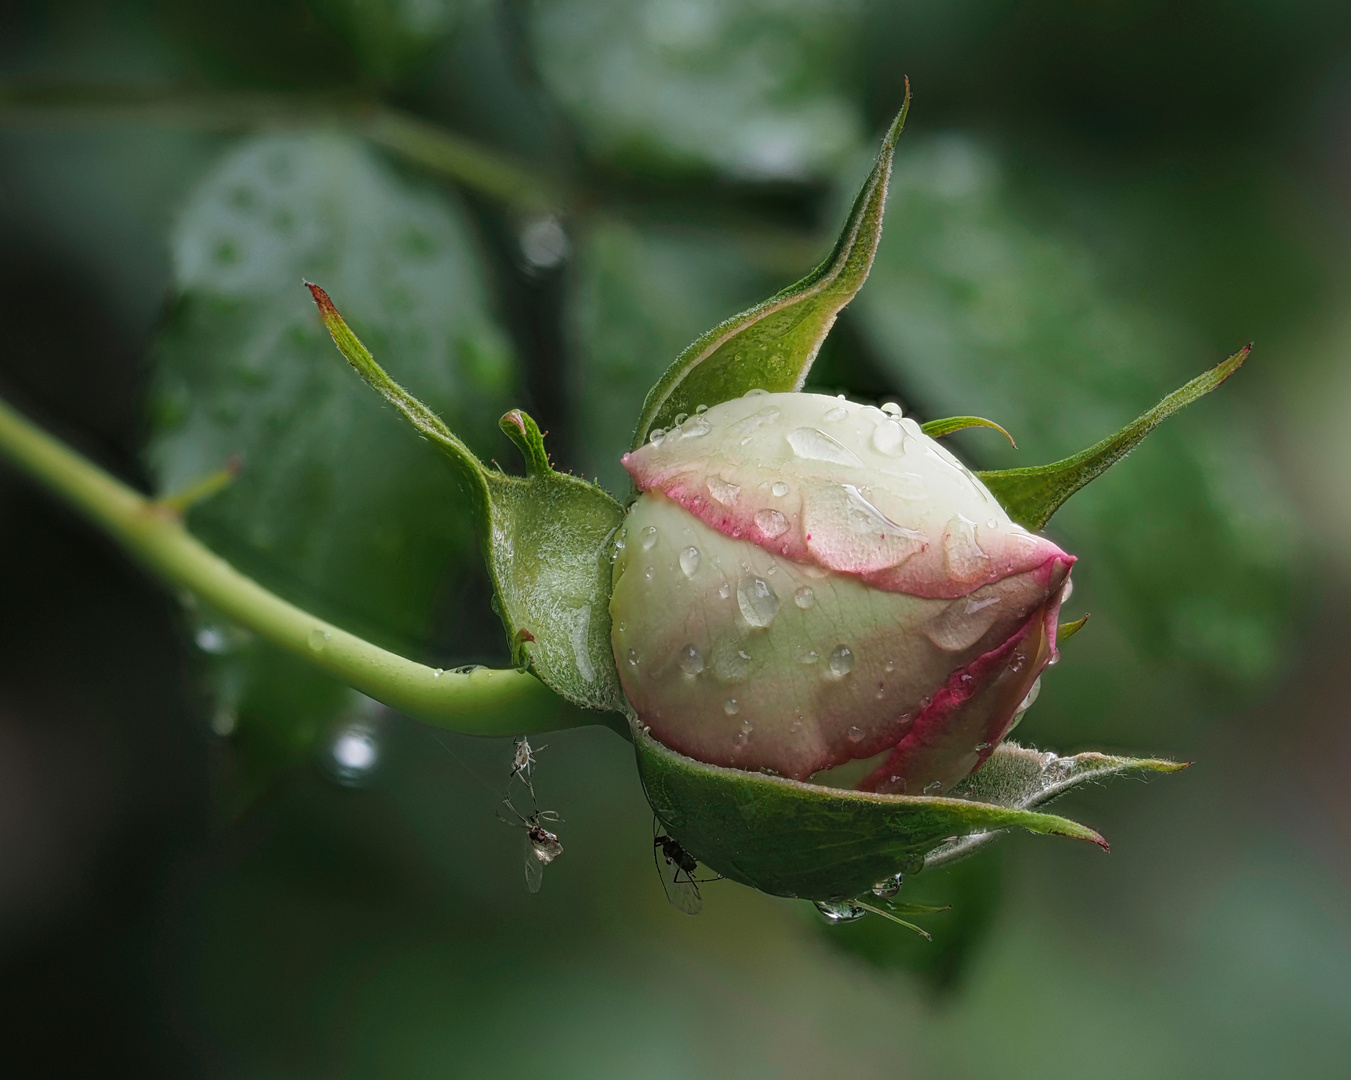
677	876
541	845
523	761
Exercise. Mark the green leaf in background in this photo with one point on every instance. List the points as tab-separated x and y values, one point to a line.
794	839
936	429
1190	551
750	88
548	540
1021	778
391	38
1032	495
772	346
335	507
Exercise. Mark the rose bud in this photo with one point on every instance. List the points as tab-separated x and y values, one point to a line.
806	582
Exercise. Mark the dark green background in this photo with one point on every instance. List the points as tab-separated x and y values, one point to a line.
1092	203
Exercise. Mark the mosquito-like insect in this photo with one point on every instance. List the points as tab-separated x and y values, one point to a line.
541	845
677	876
523	761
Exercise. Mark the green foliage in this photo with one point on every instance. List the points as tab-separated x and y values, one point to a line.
392	37
772	346
793	839
335	507
547	539
751	89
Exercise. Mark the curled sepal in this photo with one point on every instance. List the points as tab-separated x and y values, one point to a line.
546	540
1020	777
1032	495
788	838
772	346
1067	630
936	429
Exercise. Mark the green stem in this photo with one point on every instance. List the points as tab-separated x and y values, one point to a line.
415	140
479	702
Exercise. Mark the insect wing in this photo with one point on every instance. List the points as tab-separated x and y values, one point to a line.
534	866
681	890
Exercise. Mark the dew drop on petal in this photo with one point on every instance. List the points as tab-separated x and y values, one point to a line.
771	523
839	412
889	439
887	888
780	489
699	410
695	428
855	733
649	572
691	660
804	597
649	538
806	655
657	436
725	589
689	561
633	658
891	409
837	911
813	444
1031	698
933	787
730	706
841	660
722	491
757	599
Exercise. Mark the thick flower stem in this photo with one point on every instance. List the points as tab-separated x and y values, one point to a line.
477	702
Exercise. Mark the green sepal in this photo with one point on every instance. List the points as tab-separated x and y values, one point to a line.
936	429
1033	494
547	542
772	346
803	840
1067	630
1019	777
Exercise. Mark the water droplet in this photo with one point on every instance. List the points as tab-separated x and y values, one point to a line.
1031	698
212	639
681	418
888	888
838	911
722	491
695	428
318	639
889	439
796	725
992	523
746	726
623	626
982	746
780	489
933	787
438	672
739	739
633	658
649	538
1018	662
649	572
725	589
353	755
771	523
889	666
755	392
757	599
815	445
964	556
805	655
965	680
691	660
656	436
699	410
839	412
730	706
1068	590
891	409
841	660
619	545
803	597
689	561
749	424
855	733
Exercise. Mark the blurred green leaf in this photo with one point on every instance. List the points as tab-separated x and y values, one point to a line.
936	429
1021	778
1033	494
1192	545
793	839
391	38
335	507
752	88
772	346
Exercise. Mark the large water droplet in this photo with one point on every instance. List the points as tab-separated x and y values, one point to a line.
889	439
839	910
318	639
722	491
891	409
656	436
695	428
780	489
855	733
1031	698
731	707
815	445
691	660
841	660
964	556
757	599
864	517
888	888
771	523
689	561
839	412
803	597
649	538
749	424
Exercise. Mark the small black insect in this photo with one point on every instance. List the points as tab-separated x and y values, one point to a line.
677	876
541	845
